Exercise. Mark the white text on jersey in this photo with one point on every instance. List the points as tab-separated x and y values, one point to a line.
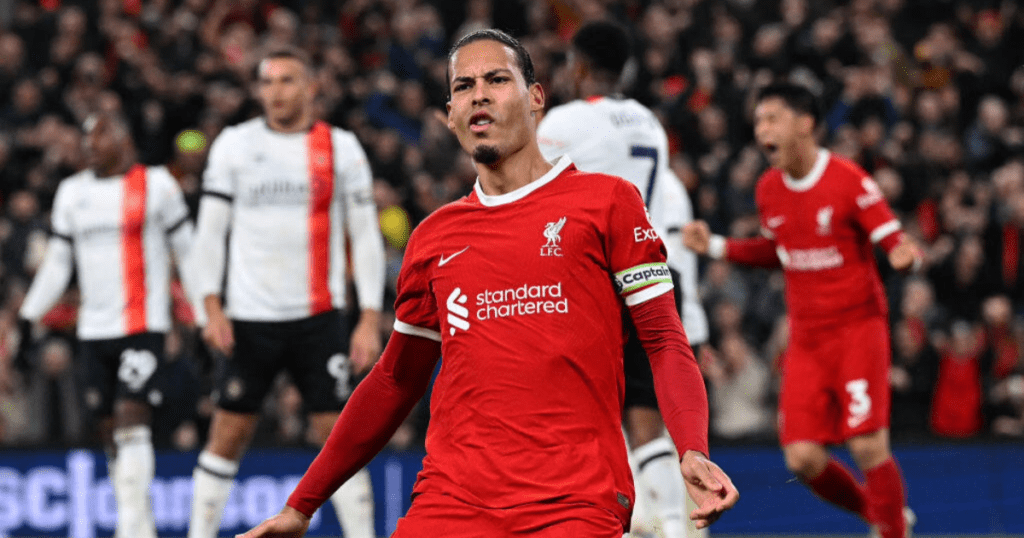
521	301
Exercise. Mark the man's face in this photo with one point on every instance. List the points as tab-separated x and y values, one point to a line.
491	107
777	128
103	144
285	90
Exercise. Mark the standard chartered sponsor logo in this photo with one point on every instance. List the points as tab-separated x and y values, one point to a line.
458	315
640	276
524	300
811	259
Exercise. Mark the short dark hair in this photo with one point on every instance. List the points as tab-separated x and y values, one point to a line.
491	34
116	119
286	51
604	44
798	98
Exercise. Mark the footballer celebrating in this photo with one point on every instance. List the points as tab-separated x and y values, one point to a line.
821	217
525	434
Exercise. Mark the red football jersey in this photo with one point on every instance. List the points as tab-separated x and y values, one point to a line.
524	291
824	227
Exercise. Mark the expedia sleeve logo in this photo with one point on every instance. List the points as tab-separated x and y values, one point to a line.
642	276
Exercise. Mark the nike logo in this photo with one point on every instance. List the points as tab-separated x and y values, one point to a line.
445	260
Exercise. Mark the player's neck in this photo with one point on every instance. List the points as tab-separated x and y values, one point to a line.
804	158
513	172
114	169
299	124
592	88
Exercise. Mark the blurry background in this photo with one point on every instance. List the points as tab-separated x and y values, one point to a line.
927	95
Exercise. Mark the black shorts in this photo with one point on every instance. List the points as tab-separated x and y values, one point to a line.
313	350
636	364
121	369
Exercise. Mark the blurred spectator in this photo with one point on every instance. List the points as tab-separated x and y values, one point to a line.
56	410
178	421
962	281
398	106
989	140
956	407
739	385
1004	235
911	378
1005	379
24	232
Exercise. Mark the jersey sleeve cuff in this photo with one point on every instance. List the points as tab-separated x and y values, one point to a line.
413	330
885	230
716	247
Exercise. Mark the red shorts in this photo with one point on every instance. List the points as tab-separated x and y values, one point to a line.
434	515
835	382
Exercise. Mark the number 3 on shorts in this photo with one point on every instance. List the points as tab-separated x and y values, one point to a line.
860	402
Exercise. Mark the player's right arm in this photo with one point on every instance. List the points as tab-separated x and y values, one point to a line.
755	251
54	273
210	246
379	403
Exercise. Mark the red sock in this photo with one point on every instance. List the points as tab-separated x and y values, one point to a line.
838	486
885	493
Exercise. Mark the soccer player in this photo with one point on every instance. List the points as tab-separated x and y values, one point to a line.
289	189
115	224
602	131
519	286
821	216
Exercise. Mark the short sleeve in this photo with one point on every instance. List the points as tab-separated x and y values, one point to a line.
172	209
352	167
416	308
872	212
219	178
636	252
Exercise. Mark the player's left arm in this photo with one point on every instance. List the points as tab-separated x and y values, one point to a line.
876	218
682	399
368	260
377	407
645	284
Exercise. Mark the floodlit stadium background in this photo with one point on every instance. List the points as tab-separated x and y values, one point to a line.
927	95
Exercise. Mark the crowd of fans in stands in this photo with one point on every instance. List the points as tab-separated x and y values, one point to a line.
926	95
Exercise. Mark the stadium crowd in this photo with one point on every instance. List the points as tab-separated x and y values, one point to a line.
927	95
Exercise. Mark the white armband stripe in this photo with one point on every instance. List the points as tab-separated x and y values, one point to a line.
648	293
884	230
413	330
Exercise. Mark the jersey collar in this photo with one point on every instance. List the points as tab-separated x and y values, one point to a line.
811	179
501	199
